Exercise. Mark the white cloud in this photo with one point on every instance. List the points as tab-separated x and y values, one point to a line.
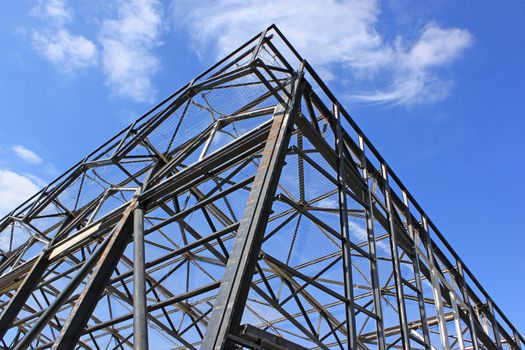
360	233
358	230
336	37
327	203
438	46
26	154
36	179
128	43
67	51
14	190
55	10
349	37
413	77
127	40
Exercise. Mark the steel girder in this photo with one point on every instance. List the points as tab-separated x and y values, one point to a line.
245	211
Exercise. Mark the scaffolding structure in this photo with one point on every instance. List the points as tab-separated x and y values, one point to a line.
245	211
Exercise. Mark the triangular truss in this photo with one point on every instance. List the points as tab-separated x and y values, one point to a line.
246	211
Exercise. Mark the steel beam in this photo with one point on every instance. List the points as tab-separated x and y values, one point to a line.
140	321
19	299
345	233
267	340
372	248
49	313
191	205
88	299
235	285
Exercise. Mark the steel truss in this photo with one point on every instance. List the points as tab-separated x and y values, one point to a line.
245	211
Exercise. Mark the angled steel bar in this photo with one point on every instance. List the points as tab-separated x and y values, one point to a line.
354	126
289	317
331	320
87	301
268	340
229	306
19	299
49	313
191	208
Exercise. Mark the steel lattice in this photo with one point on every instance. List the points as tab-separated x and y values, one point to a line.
246	211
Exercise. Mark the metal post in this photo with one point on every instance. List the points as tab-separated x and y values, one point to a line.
438	300
403	322
494	322
417	273
345	244
140	323
455	312
371	240
466	300
517	339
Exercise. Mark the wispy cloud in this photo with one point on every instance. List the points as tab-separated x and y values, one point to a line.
128	36
67	51
55	11
338	37
128	42
414	79
26	154
359	232
14	190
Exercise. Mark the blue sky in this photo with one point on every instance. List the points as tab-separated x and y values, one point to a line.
437	86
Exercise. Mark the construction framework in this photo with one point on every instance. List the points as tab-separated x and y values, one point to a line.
245	211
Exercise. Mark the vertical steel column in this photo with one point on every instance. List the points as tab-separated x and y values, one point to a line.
455	311
403	322
345	233
466	300
494	322
417	273
517	339
140	323
376	287
482	319
235	285
438	300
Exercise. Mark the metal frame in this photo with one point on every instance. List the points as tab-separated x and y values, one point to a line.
245	211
